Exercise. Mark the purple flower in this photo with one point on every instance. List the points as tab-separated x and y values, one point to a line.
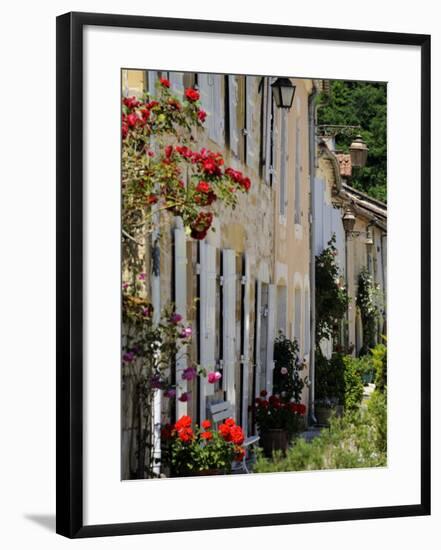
155	382
141	276
125	286
186	332
185	396
128	357
214	376
170	393
175	318
189	374
146	311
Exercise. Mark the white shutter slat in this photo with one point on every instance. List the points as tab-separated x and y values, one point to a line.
272	301
251	95
258	317
218	110
233	99
246	344
177	84
283	163
180	252
208	319
153	77
229	322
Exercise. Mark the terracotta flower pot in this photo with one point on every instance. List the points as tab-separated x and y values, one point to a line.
275	439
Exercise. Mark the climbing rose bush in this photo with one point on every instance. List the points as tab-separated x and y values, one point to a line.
162	172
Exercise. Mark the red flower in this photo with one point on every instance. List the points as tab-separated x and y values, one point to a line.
183	422
152	199
201	225
145	113
131	102
230	422
224	431
246	183
202	115
192	94
164	82
206	435
152	104
132	119
168	151
237	436
263	393
124	130
206	424
185	434
203	187
167	432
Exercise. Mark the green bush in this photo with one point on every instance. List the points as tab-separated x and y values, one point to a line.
357	440
329	376
379	360
377	408
353	379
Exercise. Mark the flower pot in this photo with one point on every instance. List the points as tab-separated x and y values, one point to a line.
275	439
209	472
323	415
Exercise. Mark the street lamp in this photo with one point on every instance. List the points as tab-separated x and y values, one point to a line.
283	92
348	221
359	151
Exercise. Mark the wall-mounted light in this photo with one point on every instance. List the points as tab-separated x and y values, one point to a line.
359	152
348	220
283	92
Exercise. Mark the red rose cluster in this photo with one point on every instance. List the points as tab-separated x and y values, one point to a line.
275	402
200	226
239	178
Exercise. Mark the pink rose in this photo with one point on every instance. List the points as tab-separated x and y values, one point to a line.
214	376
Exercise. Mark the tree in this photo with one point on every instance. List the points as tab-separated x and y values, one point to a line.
364	104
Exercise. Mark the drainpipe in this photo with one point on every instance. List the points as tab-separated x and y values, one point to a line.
312	166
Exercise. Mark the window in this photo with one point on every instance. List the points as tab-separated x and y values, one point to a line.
298	315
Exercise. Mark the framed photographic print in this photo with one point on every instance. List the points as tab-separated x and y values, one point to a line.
243	289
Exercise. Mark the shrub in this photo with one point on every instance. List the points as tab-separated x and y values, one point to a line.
354	441
379	360
286	378
329	373
353	393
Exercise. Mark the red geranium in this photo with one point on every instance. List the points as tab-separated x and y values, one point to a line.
186	435
207	435
183	422
206	424
191	94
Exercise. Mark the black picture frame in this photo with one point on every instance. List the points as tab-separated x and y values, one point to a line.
69	292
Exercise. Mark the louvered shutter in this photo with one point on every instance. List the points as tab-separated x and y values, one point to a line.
251	95
257	320
180	278
177	84
246	342
207	318
218	110
271	334
283	163
229	322
233	99
152	79
269	161
297	174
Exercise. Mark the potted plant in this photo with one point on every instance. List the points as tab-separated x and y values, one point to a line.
330	387
278	420
196	451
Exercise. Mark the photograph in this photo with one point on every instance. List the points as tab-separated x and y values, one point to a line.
253	274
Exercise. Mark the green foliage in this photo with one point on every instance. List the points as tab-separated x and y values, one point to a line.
364	104
379	359
357	440
377	407
369	302
287	381
353	378
329	379
331	298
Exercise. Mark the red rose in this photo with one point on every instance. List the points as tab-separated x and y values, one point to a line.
202	115
206	435
131	102
124	130
164	82
132	119
168	151
206	424
192	94
200	226
203	187
246	183
152	104
152	199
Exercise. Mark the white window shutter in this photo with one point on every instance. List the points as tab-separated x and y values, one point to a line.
218	110
177	84
268	132
246	343
153	77
233	100
207	318
229	322
258	317
297	174
272	299
251	94
180	252
283	163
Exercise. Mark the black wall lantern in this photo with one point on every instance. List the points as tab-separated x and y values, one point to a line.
283	92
